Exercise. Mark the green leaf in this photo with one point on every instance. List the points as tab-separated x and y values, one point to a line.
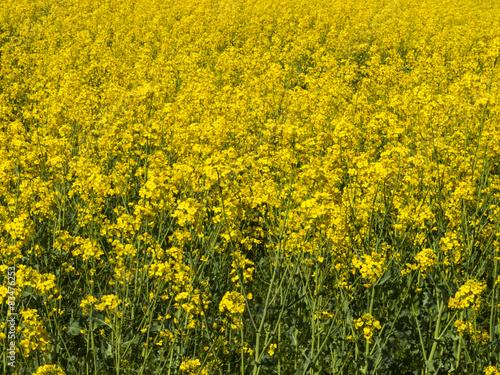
430	365
109	351
303	366
384	279
101	322
74	328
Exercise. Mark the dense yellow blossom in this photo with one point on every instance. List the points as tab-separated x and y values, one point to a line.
49	370
87	303
110	302
186	186
192	366
371	267
426	259
468	295
467	328
34	335
491	370
234	304
368	323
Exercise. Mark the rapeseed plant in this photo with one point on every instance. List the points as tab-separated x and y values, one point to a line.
241	187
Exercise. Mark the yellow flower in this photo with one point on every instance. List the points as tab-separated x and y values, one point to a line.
368	322
467	328
191	366
49	370
491	370
371	267
35	337
233	302
426	260
468	295
108	301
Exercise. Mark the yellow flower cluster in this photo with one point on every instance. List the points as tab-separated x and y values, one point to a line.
234	303
491	370
426	259
368	323
44	284
87	304
35	337
49	370
452	247
2	335
188	212
244	265
467	328
192	367
185	157
468	295
87	249
194	301
371	267
4	291
108	302
9	252
20	229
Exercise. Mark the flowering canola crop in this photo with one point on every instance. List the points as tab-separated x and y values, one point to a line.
250	187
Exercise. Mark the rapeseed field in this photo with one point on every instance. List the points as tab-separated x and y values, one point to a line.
249	187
